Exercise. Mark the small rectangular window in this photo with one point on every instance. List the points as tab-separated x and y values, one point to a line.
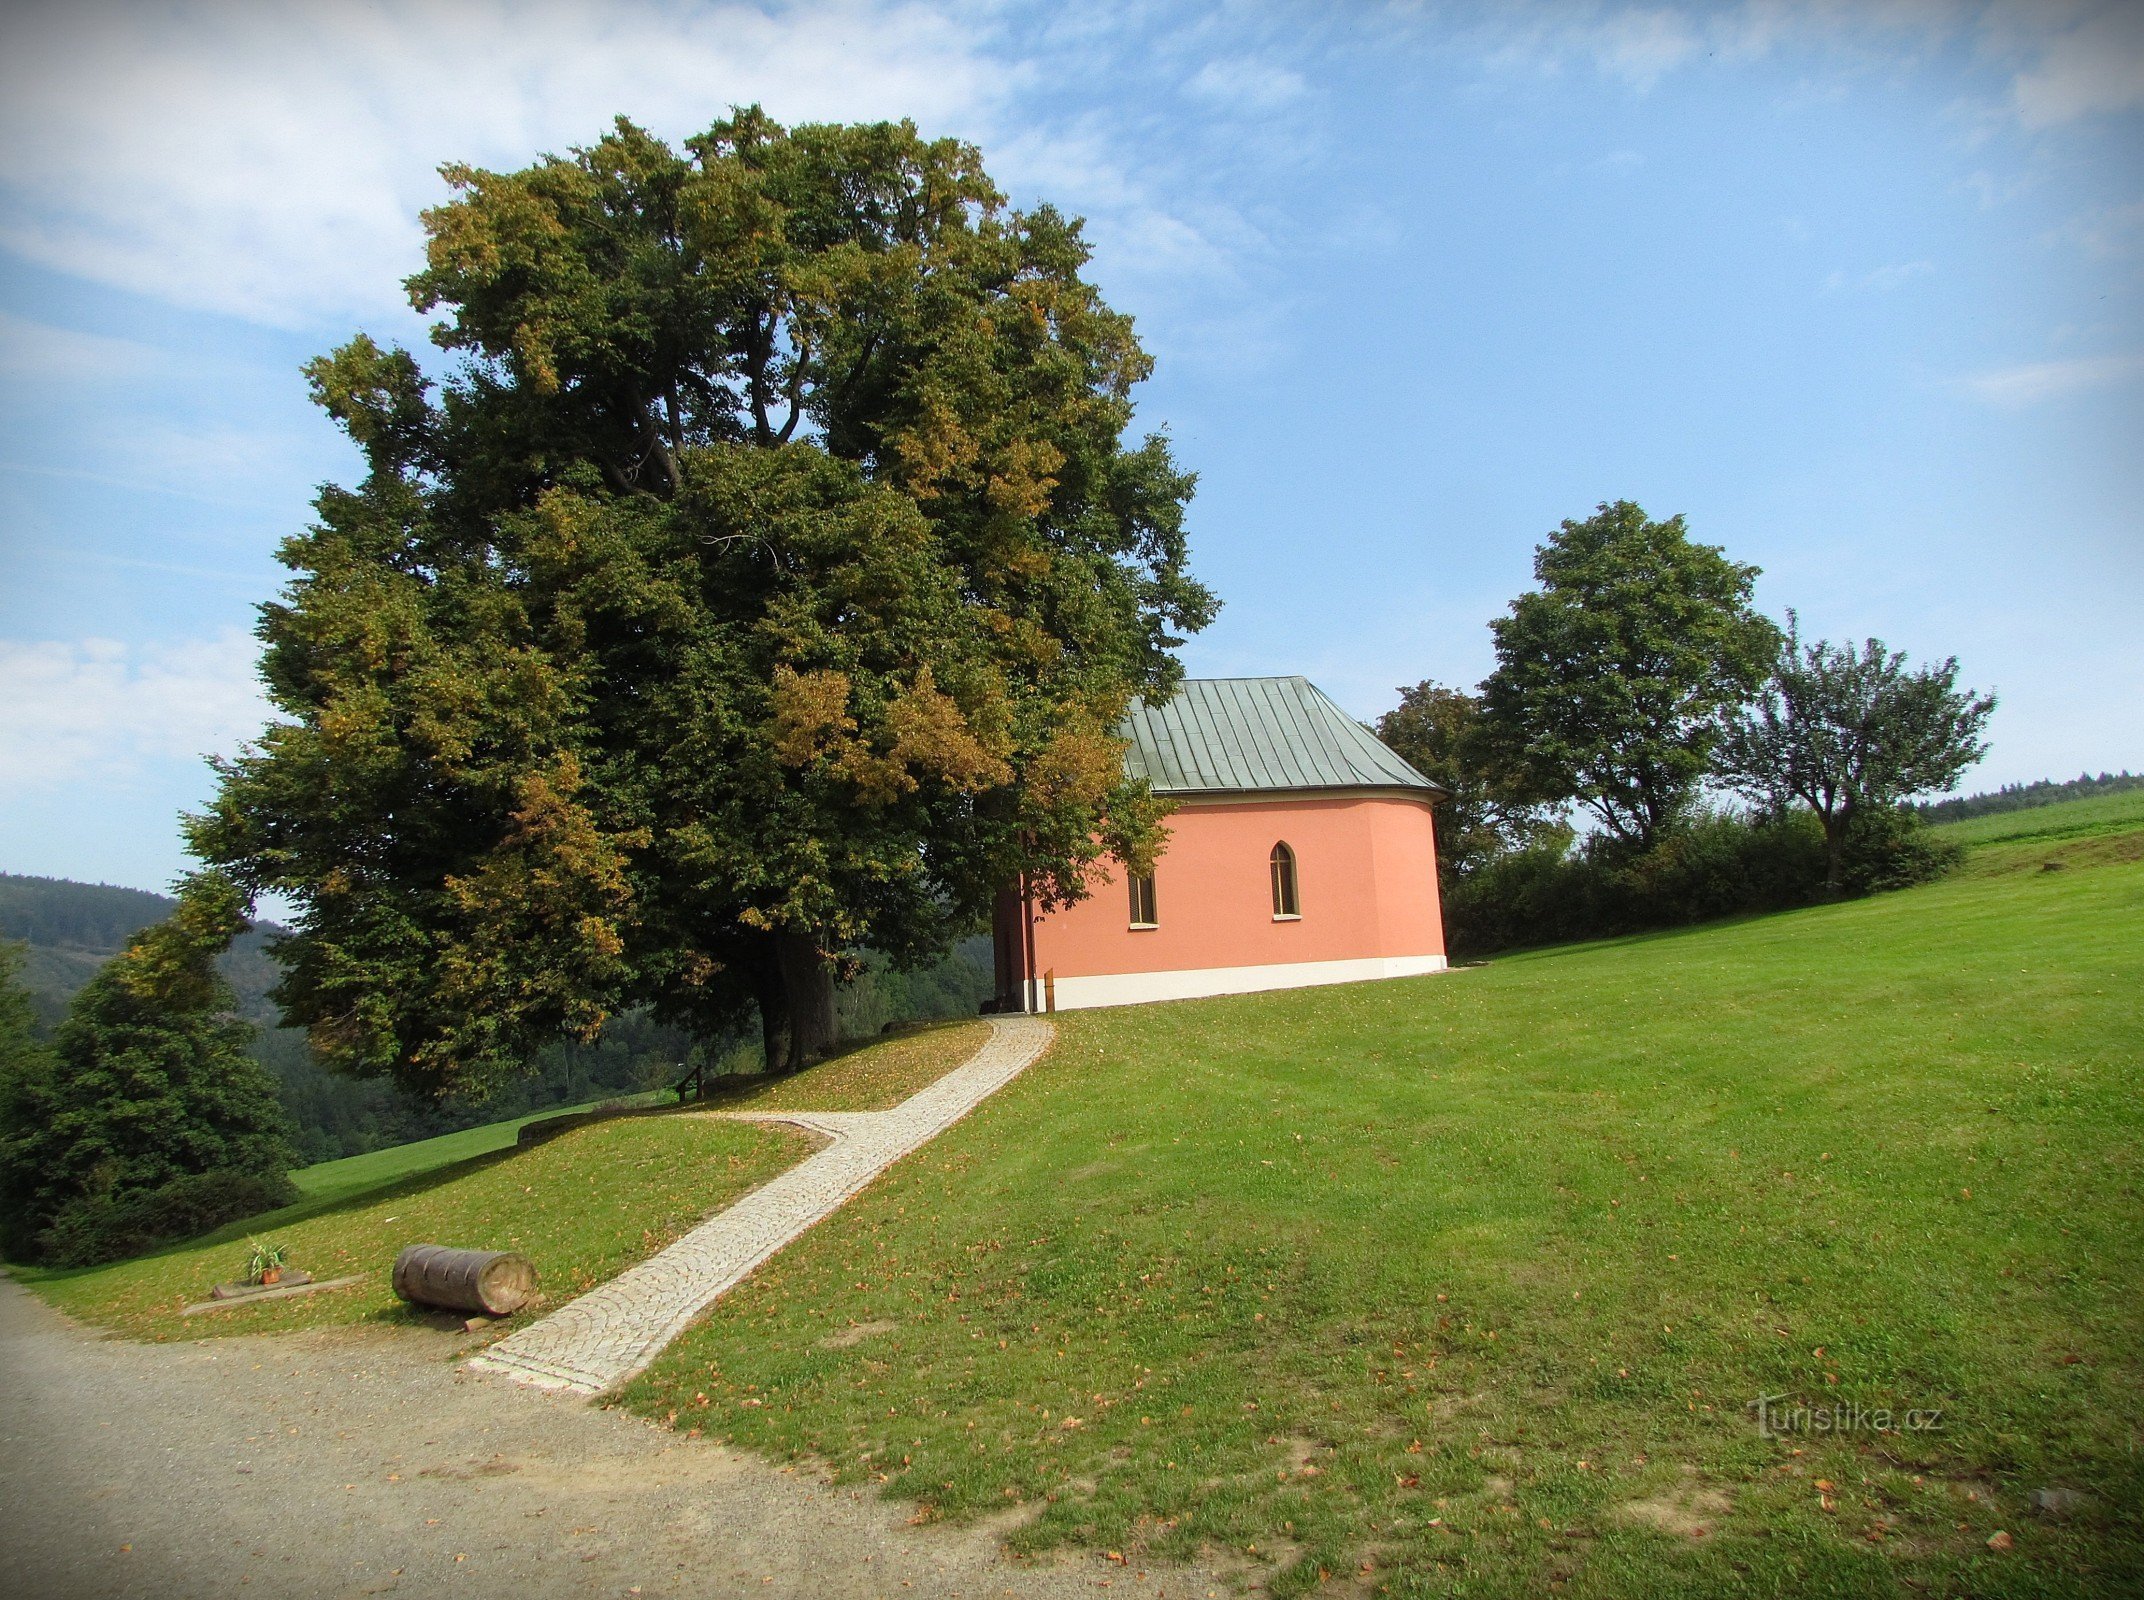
1143	901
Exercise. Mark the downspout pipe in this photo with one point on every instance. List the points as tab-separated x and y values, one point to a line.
1029	1001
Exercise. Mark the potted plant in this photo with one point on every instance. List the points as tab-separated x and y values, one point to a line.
266	1266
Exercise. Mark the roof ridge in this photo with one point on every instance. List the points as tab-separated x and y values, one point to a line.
1275	732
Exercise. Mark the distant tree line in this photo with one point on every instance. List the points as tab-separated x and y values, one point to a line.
1638	687
2026	796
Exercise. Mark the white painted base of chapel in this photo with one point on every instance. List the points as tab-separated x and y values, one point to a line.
1138	988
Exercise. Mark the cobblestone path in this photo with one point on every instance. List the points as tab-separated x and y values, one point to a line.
610	1333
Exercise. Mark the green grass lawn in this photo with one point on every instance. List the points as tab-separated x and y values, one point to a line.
2100	813
873	1076
1465	1285
355	1175
583	1206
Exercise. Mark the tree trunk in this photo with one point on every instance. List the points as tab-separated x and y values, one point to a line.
807	998
773	1009
1834	852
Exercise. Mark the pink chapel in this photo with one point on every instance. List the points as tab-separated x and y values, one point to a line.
1302	851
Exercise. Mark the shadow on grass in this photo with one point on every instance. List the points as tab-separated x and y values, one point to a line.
287	1216
740	1087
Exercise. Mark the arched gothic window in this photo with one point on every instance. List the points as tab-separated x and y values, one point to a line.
1285	903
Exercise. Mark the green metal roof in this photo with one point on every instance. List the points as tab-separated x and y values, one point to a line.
1223	735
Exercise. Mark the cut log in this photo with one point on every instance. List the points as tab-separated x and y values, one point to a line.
494	1282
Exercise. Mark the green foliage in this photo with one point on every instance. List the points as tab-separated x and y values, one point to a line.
118	1225
762	587
150	1086
1438	731
264	1257
25	1092
1848	730
333	1115
60	913
1611	676
1710	864
2029	796
1889	847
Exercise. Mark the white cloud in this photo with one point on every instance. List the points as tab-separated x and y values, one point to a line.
263	468
1642	46
2095	66
1879	280
98	709
2064	59
2034	381
1992	190
2107	232
36	352
269	161
1245	83
1166	245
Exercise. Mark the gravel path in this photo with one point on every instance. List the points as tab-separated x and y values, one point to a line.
598	1341
359	1461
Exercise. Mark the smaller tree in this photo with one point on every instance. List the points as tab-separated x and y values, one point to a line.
1851	732
1438	731
25	1080
150	1090
1612	676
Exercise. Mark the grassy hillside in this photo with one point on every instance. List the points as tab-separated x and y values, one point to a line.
2023	796
1466	1285
583	1205
375	1169
2067	819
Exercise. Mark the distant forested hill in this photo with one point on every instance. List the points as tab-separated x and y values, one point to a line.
2024	796
71	929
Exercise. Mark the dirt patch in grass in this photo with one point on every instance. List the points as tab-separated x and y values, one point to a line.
1688	1509
856	1333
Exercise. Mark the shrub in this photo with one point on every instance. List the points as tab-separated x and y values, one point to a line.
113	1226
1716	864
1892	848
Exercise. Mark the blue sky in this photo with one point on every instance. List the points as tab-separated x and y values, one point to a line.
1854	286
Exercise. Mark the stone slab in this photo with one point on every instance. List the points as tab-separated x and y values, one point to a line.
281	1291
